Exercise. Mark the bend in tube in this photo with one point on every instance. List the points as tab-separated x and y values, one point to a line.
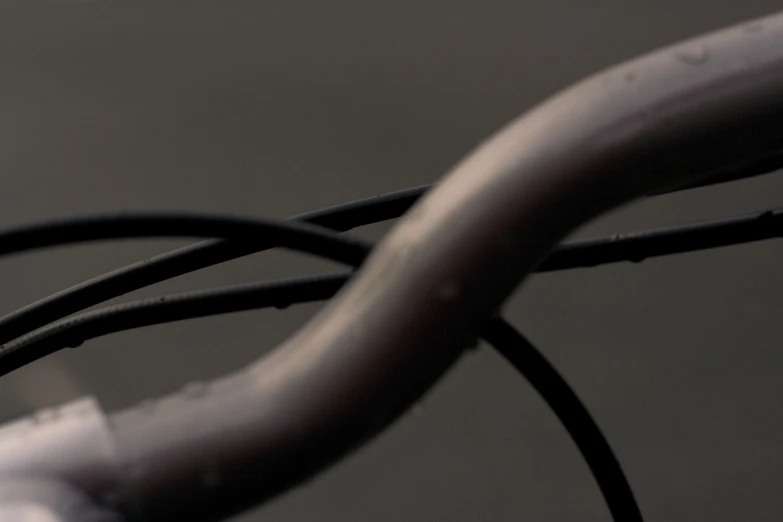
76	329
446	269
212	252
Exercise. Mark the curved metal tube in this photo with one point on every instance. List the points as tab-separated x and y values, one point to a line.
708	107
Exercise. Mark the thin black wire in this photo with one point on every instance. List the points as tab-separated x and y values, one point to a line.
297	236
628	247
74	331
586	434
192	258
634	247
622	247
691	237
208	253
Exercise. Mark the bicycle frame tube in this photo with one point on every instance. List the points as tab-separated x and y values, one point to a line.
707	108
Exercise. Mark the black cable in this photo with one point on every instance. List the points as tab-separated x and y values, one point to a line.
594	447
298	236
192	258
634	247
73	331
627	247
691	237
708	234
77	329
305	237
208	253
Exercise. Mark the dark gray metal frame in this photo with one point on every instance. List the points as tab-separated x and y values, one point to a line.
704	109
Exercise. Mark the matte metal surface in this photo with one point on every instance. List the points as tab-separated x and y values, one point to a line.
277	108
681	113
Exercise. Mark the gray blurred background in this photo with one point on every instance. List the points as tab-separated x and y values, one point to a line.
274	108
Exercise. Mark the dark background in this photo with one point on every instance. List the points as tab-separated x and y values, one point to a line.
273	108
